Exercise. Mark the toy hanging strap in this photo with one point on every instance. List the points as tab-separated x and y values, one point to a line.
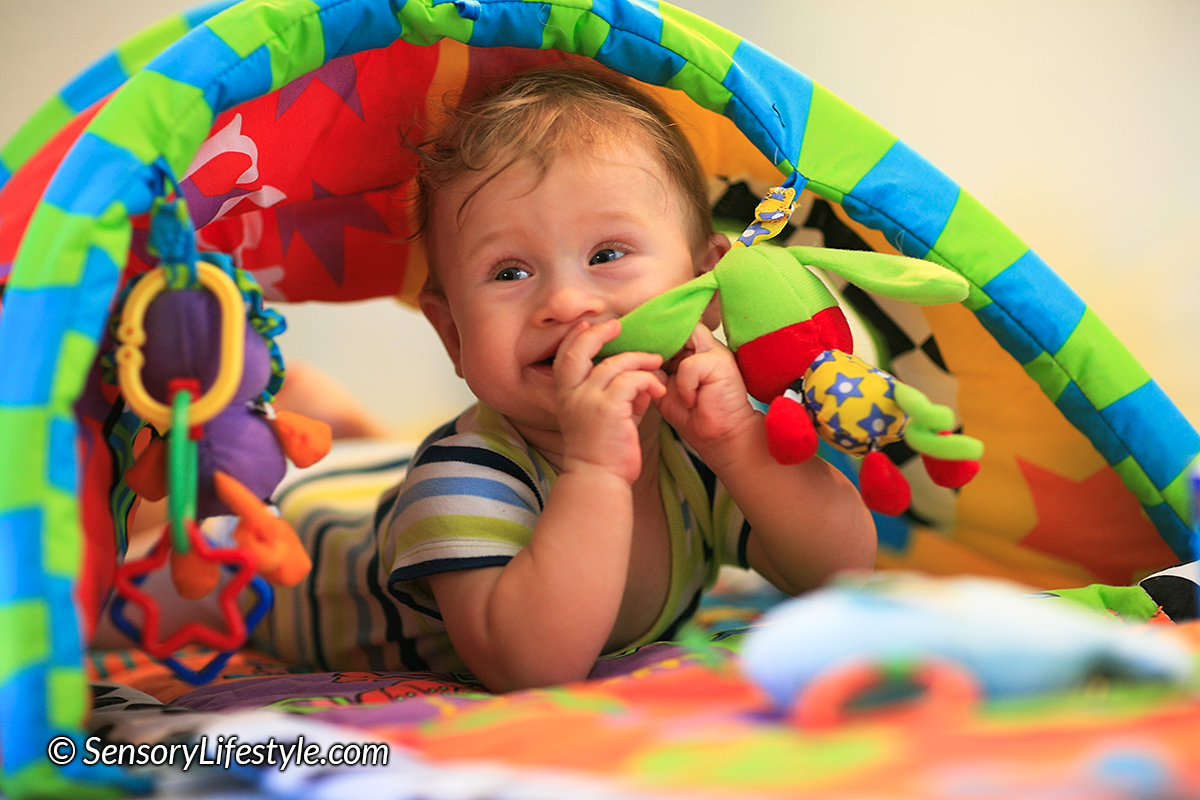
773	212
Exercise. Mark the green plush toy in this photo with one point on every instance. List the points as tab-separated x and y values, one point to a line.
793	346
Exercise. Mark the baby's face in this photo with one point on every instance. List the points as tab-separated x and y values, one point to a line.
530	255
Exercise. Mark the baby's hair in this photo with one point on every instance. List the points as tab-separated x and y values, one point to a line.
540	112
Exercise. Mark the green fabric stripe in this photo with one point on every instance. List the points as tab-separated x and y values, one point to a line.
1049	375
1104	370
426	24
490	529
136	52
575	30
694	37
29	621
976	299
245	29
701	87
43	779
975	242
293	37
68	696
62	539
25	430
1178	495
155	114
1135	478
53	249
75	355
55	245
29	138
831	167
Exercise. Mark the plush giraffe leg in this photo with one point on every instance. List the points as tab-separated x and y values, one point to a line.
883	487
280	556
791	437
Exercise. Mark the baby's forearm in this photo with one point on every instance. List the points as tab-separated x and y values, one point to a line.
551	609
807	520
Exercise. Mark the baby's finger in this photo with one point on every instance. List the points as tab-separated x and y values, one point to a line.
611	368
638	388
702	340
573	361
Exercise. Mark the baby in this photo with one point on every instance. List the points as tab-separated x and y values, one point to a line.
580	508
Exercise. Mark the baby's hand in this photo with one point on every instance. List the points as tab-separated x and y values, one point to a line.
706	399
601	405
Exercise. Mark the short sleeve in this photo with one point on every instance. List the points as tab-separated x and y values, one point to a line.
463	505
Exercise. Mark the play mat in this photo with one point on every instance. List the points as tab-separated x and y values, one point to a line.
264	142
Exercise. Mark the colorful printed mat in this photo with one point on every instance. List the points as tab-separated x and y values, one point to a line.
670	720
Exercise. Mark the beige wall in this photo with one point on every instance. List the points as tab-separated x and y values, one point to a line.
1075	122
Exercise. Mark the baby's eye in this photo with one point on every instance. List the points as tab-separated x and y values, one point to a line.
512	274
605	255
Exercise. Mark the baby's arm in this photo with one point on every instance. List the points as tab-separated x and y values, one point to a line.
545	616
807	520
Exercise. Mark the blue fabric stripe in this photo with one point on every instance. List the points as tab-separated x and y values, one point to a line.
27	733
436	567
201	14
478	457
1174	531
906	198
1084	416
351	28
62	473
640	18
511	24
1162	440
470	486
633	45
95	82
66	644
773	119
5	174
208	56
20	555
1031	292
93	172
1011	336
94	293
33	327
248	79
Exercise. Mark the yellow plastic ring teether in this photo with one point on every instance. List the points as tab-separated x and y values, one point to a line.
132	335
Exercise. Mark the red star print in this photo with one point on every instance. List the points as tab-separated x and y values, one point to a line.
1096	523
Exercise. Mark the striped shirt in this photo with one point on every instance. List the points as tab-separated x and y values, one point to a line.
470	499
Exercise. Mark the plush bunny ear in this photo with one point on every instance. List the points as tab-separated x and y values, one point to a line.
663	324
913	279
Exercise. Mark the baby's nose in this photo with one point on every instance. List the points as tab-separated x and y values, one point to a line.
567	302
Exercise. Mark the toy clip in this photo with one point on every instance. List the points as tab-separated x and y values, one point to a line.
132	335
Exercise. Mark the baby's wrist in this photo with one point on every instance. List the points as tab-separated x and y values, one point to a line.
596	472
747	439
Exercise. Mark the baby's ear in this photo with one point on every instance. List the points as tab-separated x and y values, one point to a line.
437	311
715	249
